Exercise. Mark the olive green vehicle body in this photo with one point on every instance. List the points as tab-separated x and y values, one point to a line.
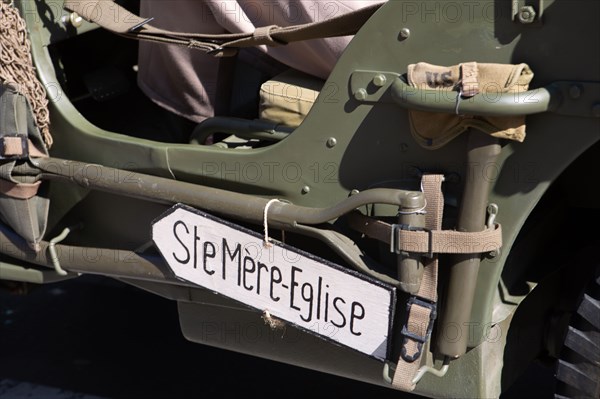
374	148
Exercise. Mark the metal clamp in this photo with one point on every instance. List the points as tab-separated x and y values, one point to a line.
432	370
492	211
459	95
24	145
389	369
413	300
218	51
395	241
52	249
139	26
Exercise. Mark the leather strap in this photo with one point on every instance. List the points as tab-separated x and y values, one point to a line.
116	19
12	146
21	191
432	241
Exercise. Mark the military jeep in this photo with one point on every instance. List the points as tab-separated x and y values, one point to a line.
403	232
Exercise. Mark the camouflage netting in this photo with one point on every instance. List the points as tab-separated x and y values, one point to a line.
16	66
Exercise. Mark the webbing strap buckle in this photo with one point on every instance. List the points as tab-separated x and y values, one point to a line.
420	340
395	242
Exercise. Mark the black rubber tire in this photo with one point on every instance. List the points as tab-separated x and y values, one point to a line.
578	368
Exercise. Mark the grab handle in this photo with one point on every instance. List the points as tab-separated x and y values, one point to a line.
530	102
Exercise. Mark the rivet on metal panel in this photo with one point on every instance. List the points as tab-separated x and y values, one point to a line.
404	33
575	91
361	95
331	142
379	80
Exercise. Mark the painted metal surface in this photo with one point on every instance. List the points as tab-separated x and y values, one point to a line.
373	149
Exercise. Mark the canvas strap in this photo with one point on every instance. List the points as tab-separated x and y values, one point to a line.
116	19
405	239
421	308
469	81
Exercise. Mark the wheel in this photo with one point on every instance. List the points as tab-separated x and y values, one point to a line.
578	368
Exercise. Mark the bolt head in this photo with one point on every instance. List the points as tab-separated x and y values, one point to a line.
305	190
361	94
379	80
405	33
527	15
331	142
575	91
75	20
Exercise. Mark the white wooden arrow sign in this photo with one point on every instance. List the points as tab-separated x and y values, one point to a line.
315	295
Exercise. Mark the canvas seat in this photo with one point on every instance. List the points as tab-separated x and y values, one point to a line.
287	98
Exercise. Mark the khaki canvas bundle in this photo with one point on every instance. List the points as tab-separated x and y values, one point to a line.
24	131
434	130
288	98
20	205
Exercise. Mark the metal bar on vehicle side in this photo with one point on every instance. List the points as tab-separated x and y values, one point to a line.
349	251
534	101
102	261
237	206
132	265
483	150
243	128
410	265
